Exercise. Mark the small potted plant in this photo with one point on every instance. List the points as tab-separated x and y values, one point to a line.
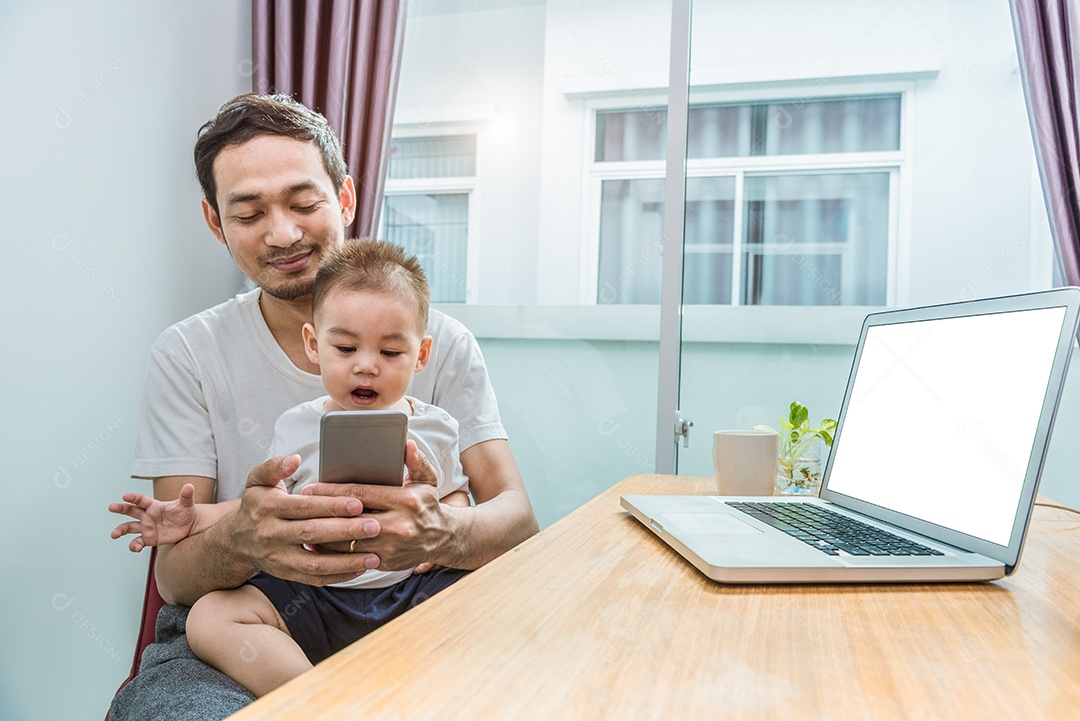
800	463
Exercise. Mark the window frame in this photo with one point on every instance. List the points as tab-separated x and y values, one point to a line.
898	163
468	185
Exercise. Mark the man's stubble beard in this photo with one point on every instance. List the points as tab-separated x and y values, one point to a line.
299	290
288	291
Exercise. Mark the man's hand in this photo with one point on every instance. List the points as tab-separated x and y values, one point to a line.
265	529
278	531
156	522
414	528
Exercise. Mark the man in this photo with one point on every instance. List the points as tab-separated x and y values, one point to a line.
276	194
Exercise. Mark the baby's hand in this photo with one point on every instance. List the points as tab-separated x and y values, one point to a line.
157	522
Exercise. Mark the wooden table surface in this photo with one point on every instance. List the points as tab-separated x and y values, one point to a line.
595	618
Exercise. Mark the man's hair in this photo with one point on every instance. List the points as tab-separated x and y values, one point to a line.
367	264
249	116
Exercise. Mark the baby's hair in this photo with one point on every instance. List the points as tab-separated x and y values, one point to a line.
375	265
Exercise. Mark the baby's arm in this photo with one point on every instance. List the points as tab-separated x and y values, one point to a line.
457	498
159	523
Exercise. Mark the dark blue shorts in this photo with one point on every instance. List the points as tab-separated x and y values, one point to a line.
323	619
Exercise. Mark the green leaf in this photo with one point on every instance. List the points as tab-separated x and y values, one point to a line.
799	414
797	434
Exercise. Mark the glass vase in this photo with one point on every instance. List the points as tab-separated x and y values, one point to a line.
800	476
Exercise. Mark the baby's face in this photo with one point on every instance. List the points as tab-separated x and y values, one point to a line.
368	348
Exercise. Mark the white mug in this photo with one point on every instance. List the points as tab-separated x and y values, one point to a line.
744	462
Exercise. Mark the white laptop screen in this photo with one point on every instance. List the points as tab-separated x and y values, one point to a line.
942	415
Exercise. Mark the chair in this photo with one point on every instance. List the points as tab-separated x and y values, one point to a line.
152	603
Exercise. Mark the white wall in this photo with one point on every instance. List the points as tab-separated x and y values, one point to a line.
479	74
615	41
104	247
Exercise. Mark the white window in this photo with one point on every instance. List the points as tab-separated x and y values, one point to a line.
427	206
787	203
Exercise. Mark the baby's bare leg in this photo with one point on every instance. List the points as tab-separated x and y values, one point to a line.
241	634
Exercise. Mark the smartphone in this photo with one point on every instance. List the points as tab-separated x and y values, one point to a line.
363	447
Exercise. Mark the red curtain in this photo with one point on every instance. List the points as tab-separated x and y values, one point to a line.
1048	44
341	58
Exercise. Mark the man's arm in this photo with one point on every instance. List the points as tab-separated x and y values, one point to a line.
502	517
170	569
458	383
267	531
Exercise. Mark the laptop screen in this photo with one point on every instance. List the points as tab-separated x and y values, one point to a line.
942	416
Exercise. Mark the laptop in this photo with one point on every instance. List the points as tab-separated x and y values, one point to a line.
934	465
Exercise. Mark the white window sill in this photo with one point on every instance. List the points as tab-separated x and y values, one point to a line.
800	325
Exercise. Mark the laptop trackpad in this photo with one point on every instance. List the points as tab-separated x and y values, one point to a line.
712	523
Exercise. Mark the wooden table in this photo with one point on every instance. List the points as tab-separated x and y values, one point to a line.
595	618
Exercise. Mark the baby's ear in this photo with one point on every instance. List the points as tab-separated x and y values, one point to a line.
425	354
311	343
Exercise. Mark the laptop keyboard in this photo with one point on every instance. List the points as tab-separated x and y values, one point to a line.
831	532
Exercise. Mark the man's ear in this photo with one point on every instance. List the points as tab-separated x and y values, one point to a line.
311	343
347	198
213	221
425	354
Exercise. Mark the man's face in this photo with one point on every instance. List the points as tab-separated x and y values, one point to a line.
278	212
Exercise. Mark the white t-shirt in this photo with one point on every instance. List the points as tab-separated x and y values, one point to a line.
436	436
218	381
